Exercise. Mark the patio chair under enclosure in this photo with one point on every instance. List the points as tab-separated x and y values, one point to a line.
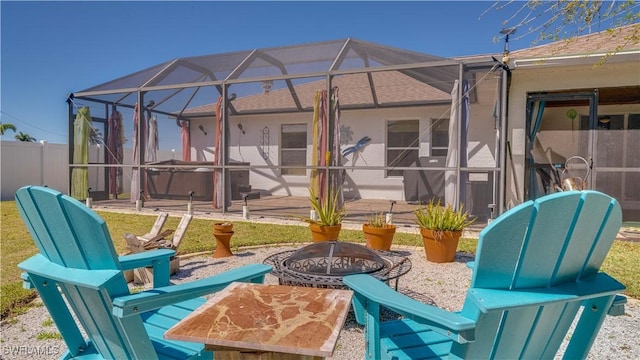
256	84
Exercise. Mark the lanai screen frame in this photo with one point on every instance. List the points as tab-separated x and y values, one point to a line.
464	66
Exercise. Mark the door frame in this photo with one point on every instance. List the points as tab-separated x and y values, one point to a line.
567	98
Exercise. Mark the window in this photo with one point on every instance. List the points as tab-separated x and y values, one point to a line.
293	149
402	144
634	122
439	137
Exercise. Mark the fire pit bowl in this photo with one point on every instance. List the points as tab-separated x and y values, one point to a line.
334	258
325	264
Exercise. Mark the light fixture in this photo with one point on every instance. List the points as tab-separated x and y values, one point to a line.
202	129
241	128
266	86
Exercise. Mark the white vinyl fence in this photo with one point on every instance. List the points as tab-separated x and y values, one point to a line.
42	163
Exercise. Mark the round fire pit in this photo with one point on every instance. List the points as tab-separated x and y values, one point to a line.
333	258
324	264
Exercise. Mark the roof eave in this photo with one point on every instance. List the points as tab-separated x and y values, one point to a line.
577	59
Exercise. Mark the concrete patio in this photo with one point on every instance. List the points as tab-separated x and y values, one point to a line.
280	209
290	209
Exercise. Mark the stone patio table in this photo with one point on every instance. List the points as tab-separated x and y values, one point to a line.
257	321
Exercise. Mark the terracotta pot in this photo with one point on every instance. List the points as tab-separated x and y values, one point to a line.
325	232
440	246
223	244
222	227
379	238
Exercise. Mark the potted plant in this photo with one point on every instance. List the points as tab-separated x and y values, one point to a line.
329	215
441	228
377	233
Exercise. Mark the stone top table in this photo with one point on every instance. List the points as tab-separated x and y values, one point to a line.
246	318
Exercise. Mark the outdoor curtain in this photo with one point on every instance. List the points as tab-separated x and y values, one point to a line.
115	142
152	144
534	119
217	173
80	175
336	179
314	182
319	143
326	113
457	150
138	125
186	140
218	160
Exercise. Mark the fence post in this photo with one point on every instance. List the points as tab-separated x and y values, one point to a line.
43	146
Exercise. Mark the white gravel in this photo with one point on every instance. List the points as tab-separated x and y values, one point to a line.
441	284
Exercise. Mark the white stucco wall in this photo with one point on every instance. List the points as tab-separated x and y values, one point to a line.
370	183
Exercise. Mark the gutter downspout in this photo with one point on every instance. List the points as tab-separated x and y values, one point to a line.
504	108
460	200
504	99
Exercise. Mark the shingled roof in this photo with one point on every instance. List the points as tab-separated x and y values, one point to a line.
391	88
626	37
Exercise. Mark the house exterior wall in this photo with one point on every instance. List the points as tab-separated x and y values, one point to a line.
483	126
547	78
259	145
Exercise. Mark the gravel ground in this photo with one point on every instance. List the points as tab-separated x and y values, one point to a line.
443	285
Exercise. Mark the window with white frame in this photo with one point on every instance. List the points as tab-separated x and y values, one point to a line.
293	148
402	144
439	137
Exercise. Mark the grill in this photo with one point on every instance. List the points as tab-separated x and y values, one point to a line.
324	264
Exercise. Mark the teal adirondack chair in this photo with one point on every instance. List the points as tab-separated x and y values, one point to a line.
78	272
536	267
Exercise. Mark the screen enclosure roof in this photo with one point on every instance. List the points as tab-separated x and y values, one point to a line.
283	79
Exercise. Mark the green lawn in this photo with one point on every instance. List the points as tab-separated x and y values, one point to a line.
16	245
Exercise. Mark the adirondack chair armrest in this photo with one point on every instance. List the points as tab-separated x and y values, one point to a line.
455	326
155	298
145	258
41	266
598	285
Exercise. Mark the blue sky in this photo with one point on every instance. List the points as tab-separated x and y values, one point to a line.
51	49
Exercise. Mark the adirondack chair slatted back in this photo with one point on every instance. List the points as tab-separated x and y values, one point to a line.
559	239
69	234
66	232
